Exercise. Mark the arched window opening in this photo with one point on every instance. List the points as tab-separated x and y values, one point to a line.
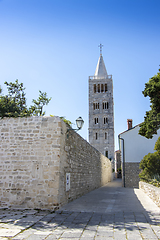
107	105
93	106
98	105
105	87
102	88
94	88
106	154
103	105
96	120
98	87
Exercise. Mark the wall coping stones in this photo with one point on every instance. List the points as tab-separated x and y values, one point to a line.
151	191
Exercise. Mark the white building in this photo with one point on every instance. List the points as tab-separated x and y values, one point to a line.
101	115
133	148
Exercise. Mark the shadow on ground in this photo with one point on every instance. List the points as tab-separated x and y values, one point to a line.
110	212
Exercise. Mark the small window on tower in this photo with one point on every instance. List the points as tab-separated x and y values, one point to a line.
98	87
96	120
94	88
105	87
106	154
93	106
105	120
102	88
107	105
98	105
105	136
96	136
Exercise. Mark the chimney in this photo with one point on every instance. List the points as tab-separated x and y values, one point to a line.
129	123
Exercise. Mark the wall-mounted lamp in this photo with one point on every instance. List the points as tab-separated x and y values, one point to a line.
79	123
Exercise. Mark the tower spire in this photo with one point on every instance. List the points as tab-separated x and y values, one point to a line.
100	47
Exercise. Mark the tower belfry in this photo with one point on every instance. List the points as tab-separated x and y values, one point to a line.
101	113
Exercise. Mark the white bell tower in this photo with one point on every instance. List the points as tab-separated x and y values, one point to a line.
101	113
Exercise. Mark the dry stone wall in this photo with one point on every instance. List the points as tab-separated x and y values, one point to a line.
132	174
152	192
36	156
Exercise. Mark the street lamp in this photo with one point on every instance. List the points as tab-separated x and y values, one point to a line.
79	123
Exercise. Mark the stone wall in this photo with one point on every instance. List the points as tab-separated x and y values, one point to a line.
36	155
152	192
132	174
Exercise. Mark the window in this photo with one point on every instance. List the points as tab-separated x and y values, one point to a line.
95	106
106	154
105	87
94	88
105	120
96	120
98	87
96	136
105	105
102	88
105	135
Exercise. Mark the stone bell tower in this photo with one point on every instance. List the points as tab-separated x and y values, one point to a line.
101	113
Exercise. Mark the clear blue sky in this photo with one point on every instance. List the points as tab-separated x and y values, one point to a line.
52	46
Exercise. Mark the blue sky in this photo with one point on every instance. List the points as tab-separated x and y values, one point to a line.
52	46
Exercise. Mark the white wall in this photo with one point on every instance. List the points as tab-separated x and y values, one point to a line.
136	146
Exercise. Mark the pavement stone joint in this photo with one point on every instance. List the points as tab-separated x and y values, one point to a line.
110	220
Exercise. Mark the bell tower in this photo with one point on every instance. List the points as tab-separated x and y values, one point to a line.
101	113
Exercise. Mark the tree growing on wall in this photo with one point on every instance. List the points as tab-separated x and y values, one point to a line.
14	103
37	108
152	118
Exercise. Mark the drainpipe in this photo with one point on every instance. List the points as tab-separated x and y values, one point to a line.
123	161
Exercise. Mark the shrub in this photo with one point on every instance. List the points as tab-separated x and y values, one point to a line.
150	164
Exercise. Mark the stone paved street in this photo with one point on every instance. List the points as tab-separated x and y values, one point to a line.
110	212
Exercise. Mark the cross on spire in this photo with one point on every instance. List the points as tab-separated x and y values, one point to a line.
100	46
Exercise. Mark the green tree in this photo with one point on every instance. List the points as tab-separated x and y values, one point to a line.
152	118
14	103
37	108
150	164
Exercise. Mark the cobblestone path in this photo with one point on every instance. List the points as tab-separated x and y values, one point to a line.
110	212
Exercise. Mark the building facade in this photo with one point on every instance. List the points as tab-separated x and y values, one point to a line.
133	148
101	113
